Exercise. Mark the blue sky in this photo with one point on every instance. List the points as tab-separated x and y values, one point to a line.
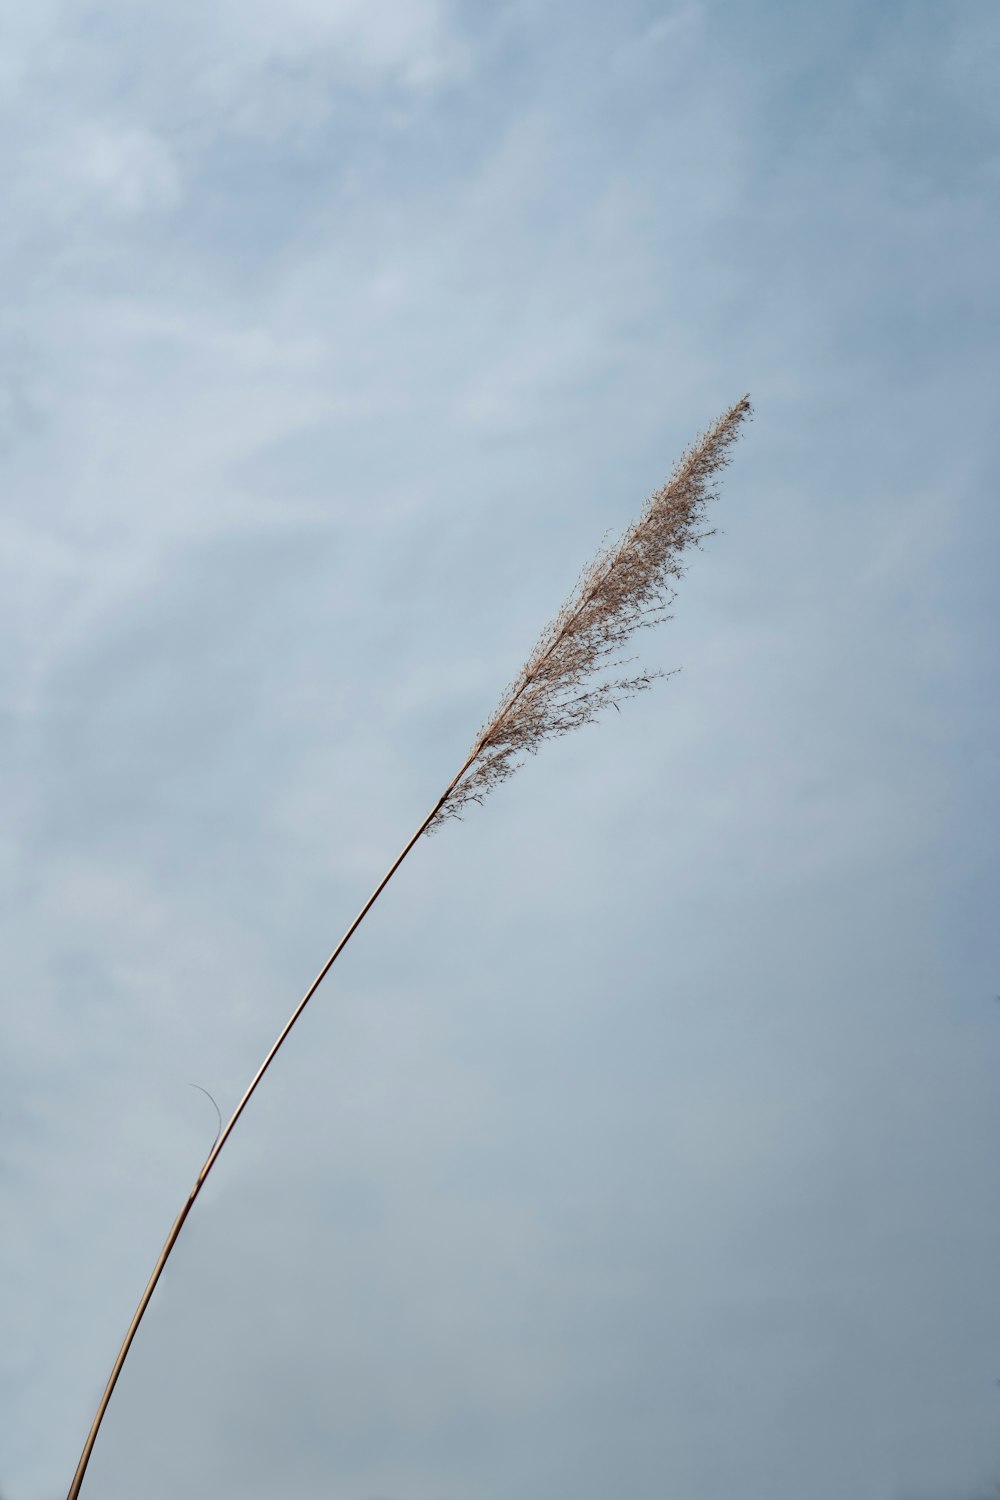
644	1141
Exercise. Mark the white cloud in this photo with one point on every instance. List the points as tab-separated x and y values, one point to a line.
131	169
409	41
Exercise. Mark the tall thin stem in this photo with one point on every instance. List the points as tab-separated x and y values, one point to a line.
614	597
213	1155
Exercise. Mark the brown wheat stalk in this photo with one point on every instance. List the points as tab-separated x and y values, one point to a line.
567	680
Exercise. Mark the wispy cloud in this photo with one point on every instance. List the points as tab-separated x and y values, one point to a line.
650	1128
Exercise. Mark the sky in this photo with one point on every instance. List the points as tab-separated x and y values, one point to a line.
644	1142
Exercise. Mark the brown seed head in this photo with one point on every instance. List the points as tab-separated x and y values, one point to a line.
628	587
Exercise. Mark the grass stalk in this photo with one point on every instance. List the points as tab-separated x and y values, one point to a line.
563	684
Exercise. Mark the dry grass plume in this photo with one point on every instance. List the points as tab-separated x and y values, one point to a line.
628	587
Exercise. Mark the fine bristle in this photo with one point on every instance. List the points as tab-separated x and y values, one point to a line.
627	587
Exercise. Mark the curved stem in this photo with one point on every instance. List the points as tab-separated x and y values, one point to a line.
213	1155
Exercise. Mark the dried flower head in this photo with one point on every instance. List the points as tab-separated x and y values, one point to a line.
628	587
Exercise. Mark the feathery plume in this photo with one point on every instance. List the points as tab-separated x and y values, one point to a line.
564	683
628	586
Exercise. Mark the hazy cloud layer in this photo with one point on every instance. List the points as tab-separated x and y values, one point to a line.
644	1142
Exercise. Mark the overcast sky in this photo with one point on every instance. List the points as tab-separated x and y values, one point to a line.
645	1142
